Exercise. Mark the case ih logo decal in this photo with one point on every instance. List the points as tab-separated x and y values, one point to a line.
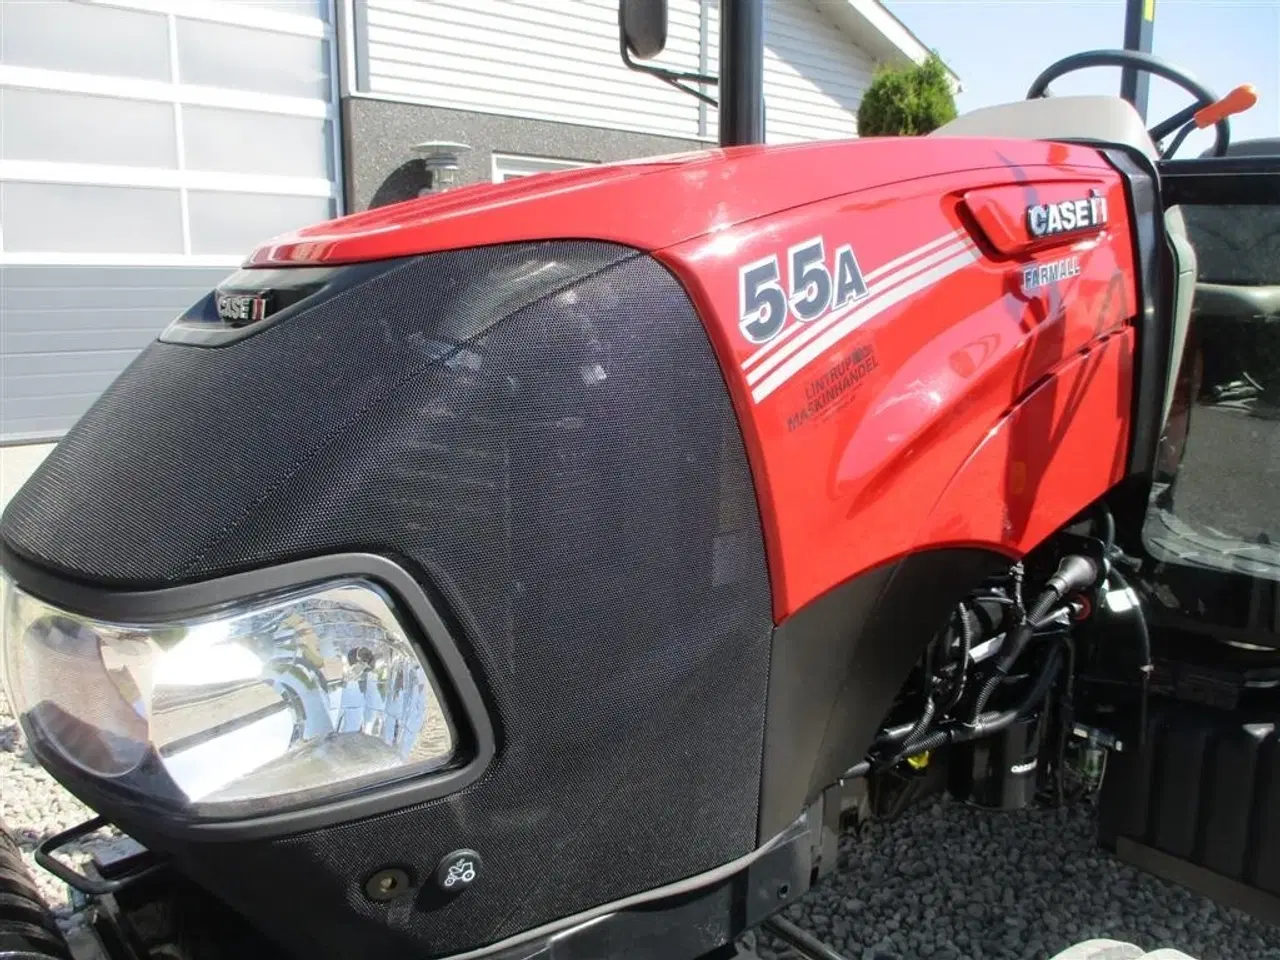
829	303
1050	219
238	309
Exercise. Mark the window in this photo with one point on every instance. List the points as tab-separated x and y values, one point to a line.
235	223
511	166
85	37
224	55
241	141
1217	498
75	128
1237	244
76	218
181	132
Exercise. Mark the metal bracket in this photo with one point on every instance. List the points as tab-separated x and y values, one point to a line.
803	942
78	881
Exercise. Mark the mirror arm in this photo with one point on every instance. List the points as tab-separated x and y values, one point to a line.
675	81
676	78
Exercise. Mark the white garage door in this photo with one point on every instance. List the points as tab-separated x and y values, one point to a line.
145	147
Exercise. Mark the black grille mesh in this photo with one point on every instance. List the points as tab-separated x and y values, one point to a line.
572	483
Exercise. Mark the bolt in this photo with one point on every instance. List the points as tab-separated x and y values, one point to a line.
387	884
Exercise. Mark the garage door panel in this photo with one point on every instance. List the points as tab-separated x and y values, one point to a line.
66	332
15	346
122	319
21	385
68	364
48	287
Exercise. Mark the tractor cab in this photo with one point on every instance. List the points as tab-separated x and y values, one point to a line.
1209	532
1203	536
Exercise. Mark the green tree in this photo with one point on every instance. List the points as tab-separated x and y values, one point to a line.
907	100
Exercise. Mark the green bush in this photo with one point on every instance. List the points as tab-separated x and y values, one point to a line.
907	100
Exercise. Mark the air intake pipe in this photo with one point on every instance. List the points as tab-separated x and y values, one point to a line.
1074	573
28	930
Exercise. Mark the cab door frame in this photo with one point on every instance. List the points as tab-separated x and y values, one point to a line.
1191	599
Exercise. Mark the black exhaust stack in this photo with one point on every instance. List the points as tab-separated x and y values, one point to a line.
741	72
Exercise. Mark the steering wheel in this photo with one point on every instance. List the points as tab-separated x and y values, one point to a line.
1153	65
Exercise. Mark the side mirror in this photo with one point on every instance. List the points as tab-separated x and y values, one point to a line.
643	24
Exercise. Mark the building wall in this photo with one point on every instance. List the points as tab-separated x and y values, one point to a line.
544	59
147	146
558	60
381	167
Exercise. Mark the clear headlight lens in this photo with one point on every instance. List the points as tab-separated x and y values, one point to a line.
253	710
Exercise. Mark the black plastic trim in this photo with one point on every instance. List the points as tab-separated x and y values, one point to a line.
1213	886
148	606
839	662
1221	180
1151	256
339	279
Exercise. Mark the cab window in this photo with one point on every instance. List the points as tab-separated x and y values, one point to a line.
1216	501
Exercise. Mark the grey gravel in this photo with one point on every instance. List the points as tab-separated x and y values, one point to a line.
948	882
35	807
943	883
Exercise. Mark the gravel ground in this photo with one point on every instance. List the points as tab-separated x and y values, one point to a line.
34	807
949	882
944	883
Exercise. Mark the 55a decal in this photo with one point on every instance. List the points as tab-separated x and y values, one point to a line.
814	287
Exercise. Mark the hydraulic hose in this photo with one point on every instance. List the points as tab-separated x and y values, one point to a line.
1074	573
922	725
981	726
1144	654
996	720
1106	526
966	645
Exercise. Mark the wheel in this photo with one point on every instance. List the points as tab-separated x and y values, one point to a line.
1115	950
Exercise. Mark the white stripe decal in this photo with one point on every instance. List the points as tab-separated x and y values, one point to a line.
886	285
906	258
878	273
860	316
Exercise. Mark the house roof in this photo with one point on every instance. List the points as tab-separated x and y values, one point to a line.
870	24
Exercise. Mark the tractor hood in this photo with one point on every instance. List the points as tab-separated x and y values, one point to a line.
645	204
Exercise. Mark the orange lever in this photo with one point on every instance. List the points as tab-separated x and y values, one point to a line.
1237	101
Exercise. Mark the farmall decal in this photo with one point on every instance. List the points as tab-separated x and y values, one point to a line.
1039	275
1068	216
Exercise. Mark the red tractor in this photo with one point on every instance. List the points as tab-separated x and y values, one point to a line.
544	570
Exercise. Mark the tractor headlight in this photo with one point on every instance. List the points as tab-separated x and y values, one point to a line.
252	710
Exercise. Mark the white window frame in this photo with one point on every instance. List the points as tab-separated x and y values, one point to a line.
182	94
513	166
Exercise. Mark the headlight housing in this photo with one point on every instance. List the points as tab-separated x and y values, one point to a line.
252	710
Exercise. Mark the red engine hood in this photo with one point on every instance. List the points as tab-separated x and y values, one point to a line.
652	203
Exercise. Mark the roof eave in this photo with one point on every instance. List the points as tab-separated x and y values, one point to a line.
880	33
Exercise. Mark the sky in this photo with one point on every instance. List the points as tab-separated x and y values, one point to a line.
998	47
